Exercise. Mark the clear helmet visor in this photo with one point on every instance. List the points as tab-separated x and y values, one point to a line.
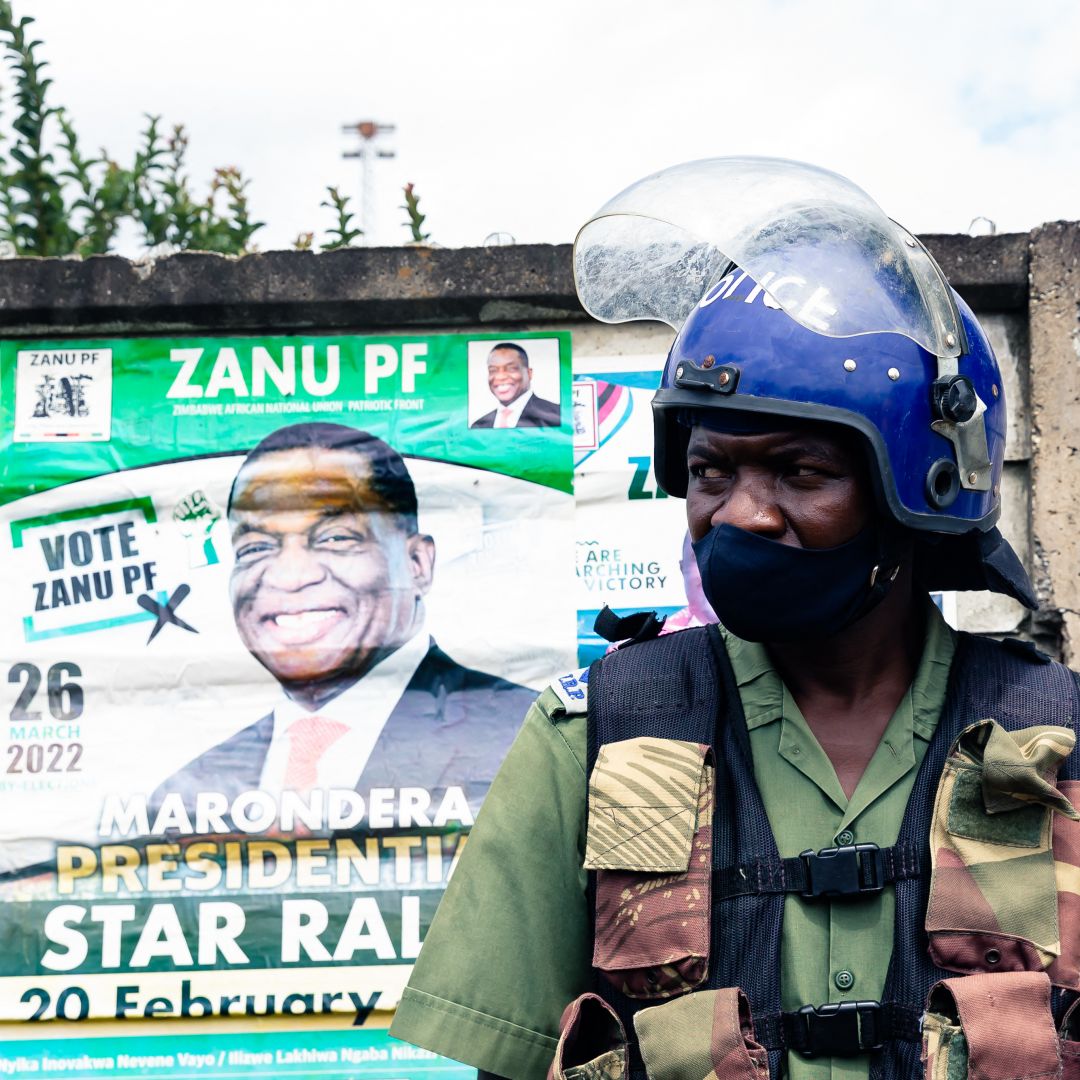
819	246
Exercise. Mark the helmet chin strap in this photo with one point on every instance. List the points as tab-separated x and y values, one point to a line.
887	576
893	547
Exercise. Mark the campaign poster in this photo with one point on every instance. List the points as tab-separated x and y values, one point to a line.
632	548
274	609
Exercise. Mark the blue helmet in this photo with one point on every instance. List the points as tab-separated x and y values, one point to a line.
795	297
737	353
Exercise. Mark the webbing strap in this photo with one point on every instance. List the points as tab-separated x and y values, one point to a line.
870	871
879	1023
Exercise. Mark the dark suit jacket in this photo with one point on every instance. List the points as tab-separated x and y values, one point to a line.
537	413
451	727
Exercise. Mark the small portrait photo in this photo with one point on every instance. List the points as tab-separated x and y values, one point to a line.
514	383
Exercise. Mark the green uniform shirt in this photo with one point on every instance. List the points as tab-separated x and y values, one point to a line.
838	951
510	946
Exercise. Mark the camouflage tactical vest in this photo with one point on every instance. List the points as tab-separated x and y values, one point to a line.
681	687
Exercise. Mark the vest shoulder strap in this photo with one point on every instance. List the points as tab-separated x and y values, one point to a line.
1018	687
1012	682
671	687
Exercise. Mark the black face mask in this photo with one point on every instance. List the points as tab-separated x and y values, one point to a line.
762	590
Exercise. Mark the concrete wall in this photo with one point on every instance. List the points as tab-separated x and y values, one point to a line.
1054	376
1024	287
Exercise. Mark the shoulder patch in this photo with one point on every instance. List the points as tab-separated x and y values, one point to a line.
573	690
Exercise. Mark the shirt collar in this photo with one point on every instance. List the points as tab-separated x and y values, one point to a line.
517	406
762	691
929	686
386	681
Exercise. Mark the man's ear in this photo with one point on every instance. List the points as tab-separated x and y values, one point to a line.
421	551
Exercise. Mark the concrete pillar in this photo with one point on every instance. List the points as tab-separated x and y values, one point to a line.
1054	312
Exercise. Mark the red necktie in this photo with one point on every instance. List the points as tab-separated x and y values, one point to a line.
309	738
503	419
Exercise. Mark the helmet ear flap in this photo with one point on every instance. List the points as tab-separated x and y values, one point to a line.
670	442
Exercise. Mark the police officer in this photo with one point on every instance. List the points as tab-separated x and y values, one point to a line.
756	848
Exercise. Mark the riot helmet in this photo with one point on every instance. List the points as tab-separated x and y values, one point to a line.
793	296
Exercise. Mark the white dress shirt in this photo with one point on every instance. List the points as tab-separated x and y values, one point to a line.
364	709
516	407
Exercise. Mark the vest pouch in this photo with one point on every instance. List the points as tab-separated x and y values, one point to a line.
592	1043
991	1027
704	1036
649	840
1000	828
1070	1043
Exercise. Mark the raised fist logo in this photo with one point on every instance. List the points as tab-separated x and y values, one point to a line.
195	516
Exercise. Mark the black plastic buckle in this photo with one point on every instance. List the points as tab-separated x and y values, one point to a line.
854	870
840	1029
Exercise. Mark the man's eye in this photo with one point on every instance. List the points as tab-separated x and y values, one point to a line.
253	550
709	472
334	540
804	471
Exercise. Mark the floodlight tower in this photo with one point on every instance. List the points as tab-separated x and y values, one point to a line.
370	132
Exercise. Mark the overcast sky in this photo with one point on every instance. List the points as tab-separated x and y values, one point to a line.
523	116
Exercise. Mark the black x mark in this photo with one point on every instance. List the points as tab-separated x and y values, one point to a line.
166	613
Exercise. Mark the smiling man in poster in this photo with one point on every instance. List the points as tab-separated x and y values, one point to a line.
510	380
328	594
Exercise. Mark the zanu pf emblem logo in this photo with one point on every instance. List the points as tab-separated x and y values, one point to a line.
65	396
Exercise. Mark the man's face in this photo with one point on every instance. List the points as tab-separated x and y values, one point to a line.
508	375
804	486
326	579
